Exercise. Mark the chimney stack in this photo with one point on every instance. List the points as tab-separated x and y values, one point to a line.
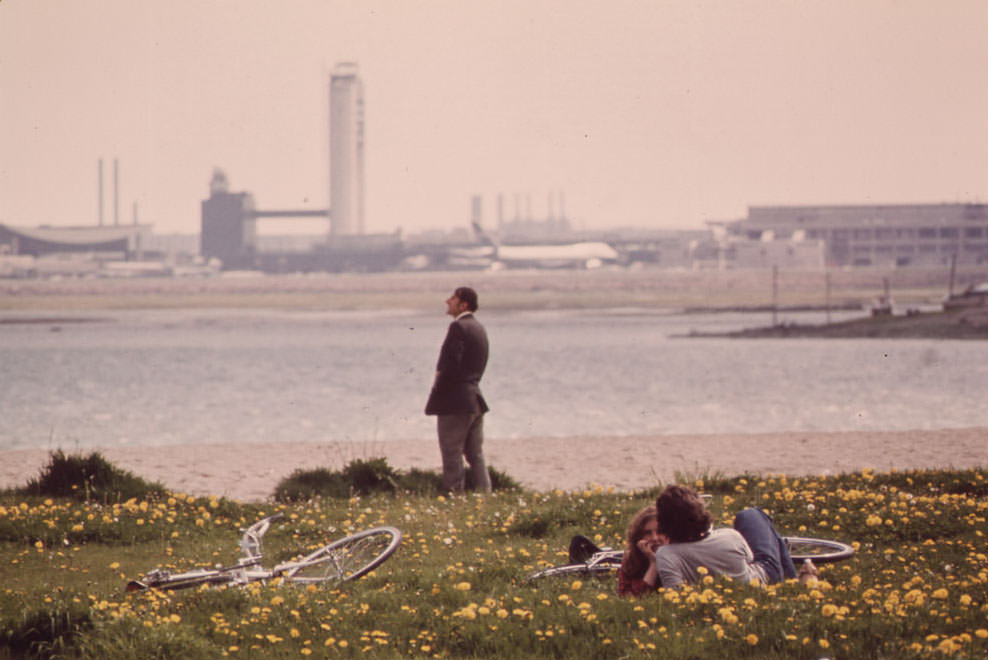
116	196
100	190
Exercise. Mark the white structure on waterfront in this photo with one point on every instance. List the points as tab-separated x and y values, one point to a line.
346	151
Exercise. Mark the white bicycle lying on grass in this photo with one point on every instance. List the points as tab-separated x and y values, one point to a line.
343	560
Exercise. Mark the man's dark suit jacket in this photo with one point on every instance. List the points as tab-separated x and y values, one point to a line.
462	360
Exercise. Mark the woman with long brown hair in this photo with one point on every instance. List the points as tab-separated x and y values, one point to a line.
638	574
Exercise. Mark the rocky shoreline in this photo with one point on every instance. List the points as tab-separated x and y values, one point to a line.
965	324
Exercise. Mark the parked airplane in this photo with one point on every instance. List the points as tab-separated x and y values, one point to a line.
584	254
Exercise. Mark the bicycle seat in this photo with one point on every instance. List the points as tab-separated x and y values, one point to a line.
581	549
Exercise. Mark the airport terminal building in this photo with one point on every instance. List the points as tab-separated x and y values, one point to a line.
920	235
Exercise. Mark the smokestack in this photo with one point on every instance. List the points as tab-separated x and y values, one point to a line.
135	213
116	196
100	189
476	210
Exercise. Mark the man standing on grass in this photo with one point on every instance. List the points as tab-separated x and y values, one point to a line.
456	397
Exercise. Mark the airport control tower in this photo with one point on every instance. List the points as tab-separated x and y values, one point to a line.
346	151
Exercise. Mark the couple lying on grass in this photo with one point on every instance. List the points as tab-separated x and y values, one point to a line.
668	543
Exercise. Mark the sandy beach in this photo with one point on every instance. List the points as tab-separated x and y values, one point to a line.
251	472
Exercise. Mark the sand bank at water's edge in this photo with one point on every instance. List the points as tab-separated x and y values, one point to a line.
251	472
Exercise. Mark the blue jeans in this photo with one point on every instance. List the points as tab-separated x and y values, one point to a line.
768	547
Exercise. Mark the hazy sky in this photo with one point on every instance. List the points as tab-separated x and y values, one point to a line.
652	114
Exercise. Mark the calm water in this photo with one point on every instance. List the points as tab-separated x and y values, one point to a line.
152	378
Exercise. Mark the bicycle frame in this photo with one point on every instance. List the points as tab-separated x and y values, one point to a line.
237	574
331	562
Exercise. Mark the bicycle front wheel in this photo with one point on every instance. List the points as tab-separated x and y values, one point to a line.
348	558
820	551
601	570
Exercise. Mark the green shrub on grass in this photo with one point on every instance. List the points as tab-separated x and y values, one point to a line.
373	475
88	478
370	476
357	477
302	485
43	630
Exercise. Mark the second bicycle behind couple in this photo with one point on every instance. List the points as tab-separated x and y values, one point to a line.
667	544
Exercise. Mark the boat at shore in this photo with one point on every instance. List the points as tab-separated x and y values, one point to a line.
975	295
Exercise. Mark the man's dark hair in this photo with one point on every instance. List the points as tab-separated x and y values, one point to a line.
682	515
467	295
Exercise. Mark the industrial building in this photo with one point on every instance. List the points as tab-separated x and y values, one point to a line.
229	226
229	219
893	235
346	150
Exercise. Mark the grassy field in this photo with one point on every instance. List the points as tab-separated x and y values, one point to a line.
917	587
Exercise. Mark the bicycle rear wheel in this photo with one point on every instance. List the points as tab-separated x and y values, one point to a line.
602	570
820	551
348	558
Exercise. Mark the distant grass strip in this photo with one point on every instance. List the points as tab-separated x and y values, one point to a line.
366	477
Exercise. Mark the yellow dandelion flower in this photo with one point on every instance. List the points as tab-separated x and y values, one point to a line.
752	639
948	646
